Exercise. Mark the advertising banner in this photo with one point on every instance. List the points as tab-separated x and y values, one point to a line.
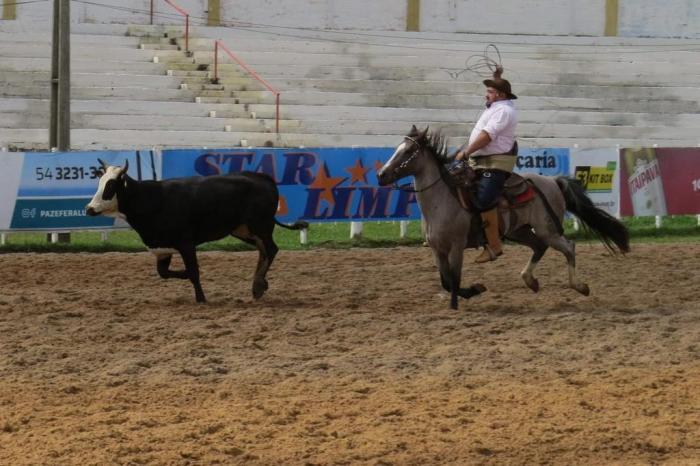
49	190
548	162
332	184
317	185
598	171
660	181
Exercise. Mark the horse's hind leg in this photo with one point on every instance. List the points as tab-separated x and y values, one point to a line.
568	248
527	237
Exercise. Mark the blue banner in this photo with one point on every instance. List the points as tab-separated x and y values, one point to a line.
332	184
55	187
55	214
317	185
548	162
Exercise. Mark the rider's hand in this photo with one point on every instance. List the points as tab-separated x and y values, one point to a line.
460	155
456	167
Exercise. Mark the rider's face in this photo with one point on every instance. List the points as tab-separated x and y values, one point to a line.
493	95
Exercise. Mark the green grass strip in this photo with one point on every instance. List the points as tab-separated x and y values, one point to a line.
334	236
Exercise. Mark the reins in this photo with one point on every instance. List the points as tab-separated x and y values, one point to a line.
406	187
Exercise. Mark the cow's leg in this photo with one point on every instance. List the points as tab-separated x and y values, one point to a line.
244	233
265	256
163	266
271	250
189	257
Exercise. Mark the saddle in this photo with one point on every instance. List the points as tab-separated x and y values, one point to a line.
517	192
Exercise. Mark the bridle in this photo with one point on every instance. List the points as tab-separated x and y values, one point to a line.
406	187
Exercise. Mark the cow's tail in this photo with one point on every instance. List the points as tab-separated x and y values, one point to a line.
608	229
298	225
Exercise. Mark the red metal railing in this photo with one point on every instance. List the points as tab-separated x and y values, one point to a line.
274	91
187	22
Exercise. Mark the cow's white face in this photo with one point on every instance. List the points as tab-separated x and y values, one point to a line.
104	202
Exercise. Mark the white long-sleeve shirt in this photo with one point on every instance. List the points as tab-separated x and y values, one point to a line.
499	121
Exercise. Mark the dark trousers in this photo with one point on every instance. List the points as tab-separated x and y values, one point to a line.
489	188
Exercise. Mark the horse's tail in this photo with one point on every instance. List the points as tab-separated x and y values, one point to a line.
298	225
607	228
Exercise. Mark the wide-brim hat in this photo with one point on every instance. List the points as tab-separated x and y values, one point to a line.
500	84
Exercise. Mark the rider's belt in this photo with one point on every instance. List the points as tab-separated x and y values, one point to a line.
505	162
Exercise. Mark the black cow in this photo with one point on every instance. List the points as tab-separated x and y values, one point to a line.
176	215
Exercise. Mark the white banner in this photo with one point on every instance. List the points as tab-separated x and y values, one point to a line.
599	171
10	177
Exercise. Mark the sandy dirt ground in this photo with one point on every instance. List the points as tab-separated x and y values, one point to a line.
352	357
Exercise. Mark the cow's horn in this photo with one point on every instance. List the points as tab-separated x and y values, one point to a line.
103	164
126	167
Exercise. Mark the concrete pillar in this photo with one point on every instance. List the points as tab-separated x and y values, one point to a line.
9	9
355	229
403	226
214	13
612	8
58	237
413	15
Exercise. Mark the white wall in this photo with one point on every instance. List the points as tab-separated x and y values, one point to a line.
653	18
325	14
122	11
556	17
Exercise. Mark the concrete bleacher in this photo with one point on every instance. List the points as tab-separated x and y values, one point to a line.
344	88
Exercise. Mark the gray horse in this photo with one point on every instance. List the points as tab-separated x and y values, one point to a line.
537	224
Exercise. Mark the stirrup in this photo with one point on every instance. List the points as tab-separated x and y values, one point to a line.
487	255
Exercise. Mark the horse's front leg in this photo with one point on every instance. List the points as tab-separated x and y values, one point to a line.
456	258
443	264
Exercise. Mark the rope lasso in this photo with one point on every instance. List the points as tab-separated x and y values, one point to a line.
481	64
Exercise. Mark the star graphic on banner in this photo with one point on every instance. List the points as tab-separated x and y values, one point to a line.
358	173
326	182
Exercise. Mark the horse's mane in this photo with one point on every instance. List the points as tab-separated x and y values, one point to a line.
436	143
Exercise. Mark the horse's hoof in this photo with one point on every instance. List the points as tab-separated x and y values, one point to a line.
534	285
474	290
259	290
478	288
583	289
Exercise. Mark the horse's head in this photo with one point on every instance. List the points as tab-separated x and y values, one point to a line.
405	160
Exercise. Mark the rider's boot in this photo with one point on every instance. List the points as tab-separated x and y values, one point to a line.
494	248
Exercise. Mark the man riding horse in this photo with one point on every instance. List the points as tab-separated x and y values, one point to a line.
491	152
